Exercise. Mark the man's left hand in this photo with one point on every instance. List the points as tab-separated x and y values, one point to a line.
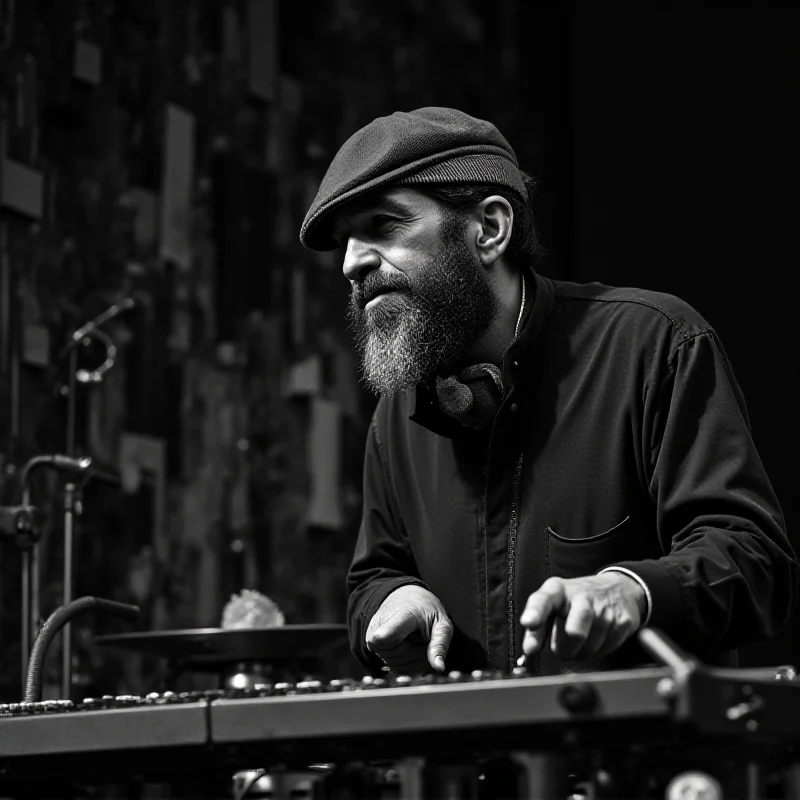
583	617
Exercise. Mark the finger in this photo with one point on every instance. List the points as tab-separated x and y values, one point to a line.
532	642
543	603
441	634
535	640
598	636
570	634
392	630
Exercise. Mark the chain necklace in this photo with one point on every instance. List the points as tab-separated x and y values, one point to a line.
521	309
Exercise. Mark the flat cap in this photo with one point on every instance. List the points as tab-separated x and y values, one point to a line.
429	145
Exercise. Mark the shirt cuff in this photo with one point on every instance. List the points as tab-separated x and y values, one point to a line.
648	596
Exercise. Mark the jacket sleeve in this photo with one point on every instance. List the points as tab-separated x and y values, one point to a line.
383	560
728	575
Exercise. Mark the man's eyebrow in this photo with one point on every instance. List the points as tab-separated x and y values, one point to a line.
392	205
381	204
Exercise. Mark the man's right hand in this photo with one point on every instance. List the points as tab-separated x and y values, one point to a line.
410	631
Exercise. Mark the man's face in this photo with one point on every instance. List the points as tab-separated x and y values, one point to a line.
421	299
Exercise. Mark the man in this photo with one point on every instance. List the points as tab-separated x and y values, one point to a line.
550	466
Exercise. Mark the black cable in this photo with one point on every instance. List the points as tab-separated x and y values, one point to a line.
54	623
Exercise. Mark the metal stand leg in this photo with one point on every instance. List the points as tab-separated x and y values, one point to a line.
281	786
410	773
753	781
36	594
66	640
791	781
25	633
30	594
542	776
451	782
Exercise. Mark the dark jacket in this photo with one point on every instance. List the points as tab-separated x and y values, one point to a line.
623	439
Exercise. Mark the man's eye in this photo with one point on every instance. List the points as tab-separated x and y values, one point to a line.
382	222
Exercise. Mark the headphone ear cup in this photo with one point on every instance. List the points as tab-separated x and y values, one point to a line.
473	397
454	397
479	372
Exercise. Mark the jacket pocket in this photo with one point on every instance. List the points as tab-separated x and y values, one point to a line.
575	558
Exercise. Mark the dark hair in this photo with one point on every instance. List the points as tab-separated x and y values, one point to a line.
523	247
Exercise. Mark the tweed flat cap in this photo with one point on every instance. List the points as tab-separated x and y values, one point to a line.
429	145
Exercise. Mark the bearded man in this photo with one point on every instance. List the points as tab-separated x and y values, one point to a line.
550	465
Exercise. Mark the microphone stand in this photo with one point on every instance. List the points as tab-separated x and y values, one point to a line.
69	528
71	503
31	591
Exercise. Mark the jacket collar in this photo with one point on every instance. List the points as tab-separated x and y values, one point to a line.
427	412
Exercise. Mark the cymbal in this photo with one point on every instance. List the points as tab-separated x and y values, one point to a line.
226	645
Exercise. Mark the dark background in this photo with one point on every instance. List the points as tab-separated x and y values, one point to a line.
682	169
664	139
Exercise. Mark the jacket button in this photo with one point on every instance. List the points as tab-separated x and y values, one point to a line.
515	363
514	406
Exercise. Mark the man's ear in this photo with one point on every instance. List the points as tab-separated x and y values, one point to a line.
495	219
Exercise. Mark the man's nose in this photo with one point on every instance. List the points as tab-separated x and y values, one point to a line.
359	259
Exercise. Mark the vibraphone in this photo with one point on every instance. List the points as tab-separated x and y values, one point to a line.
628	734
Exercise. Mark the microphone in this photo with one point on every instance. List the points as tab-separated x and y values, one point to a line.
60	461
56	460
112	311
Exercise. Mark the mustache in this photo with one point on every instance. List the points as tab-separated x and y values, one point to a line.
375	284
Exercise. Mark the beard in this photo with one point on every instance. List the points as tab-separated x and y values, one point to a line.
426	326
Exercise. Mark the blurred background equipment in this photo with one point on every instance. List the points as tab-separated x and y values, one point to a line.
242	657
252	646
73	487
156	159
22	525
31	577
251	609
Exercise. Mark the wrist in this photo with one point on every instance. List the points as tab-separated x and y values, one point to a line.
639	596
636	589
